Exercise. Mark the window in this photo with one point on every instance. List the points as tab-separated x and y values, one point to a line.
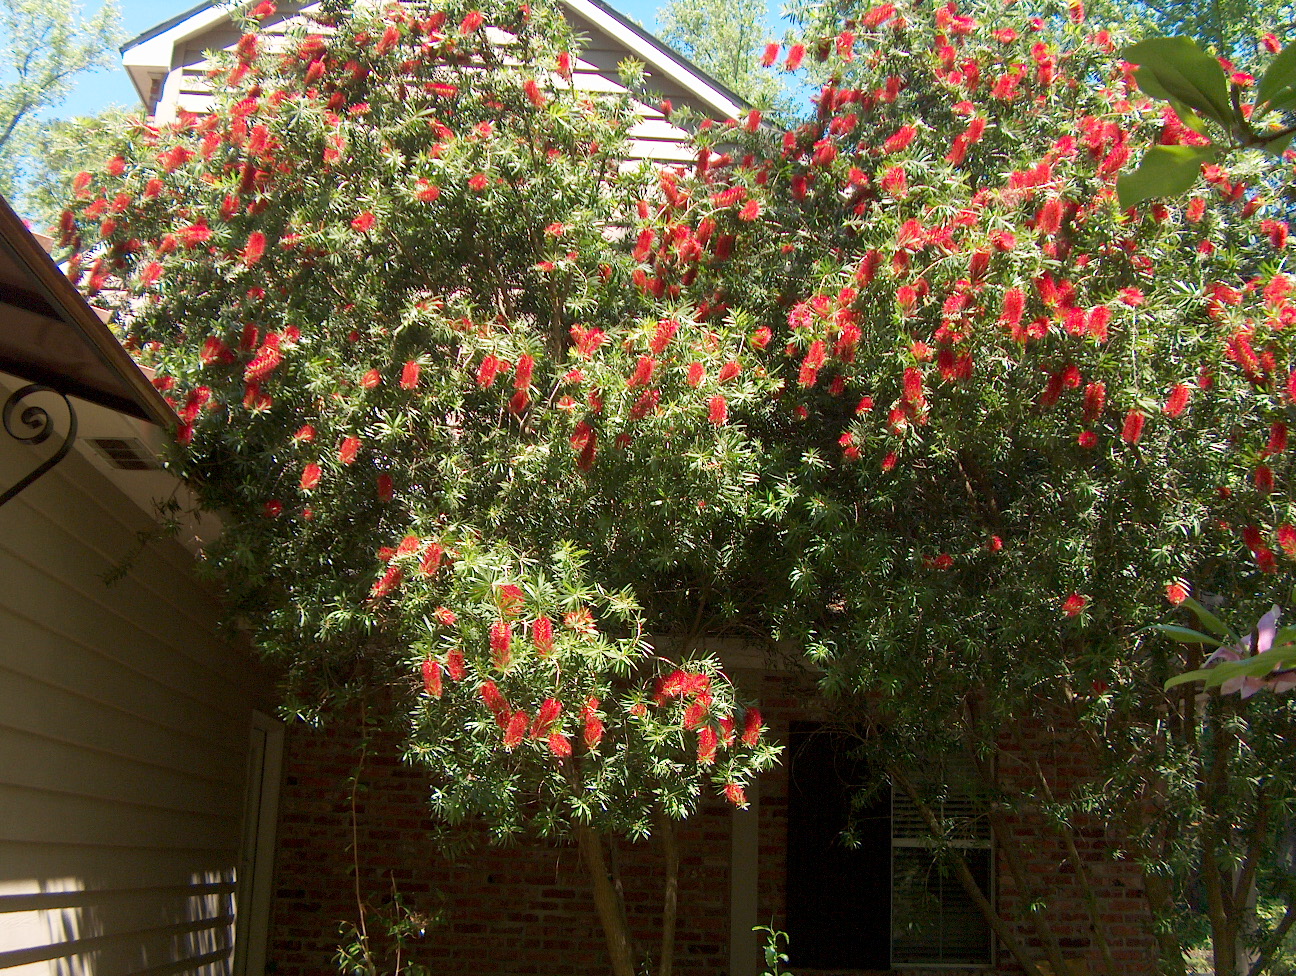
890	900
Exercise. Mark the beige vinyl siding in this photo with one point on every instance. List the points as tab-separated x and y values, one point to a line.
124	729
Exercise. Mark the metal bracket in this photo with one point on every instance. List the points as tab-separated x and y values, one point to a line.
38	429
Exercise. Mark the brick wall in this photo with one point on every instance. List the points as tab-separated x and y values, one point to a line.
528	910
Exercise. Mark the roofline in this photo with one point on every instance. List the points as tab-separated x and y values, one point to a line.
145	401
648	38
166	25
656	42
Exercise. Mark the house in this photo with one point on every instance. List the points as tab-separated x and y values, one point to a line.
134	739
354	830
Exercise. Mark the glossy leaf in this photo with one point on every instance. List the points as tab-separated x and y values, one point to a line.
1176	68
1164	171
1278	86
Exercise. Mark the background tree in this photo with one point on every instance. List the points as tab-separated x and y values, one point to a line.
54	152
903	387
726	40
47	44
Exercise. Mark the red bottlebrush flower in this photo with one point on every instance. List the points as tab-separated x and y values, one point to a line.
310	476
707	743
408	546
386	490
1176	593
389	39
265	362
522	374
796	54
305	433
559	744
1277	439
116	166
409	375
487	371
665	332
1094	400
1073	605
273	508
1087	439
1014	305
696	713
751	727
431	560
254	249
546	715
1195	210
516	729
643	245
895	182
900	140
347	452
718	410
535	96
472	21
750	211
501	643
1287	539
510	599
1264	479
264	10
390	580
643	372
1133	429
495	701
371	380
760	339
432	677
736	795
588	453
645	405
593	732
478	183
542	635
150	275
1096	322
426	191
363	222
913	386
728	371
770	54
696	375
455	662
195	234
1177	402
564	65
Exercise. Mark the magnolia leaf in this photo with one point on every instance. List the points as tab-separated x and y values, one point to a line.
1176	68
1188	117
1184	635
1164	171
1188	677
1278	85
1278	146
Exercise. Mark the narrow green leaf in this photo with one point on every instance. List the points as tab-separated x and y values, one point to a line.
1279	79
1175	67
1184	635
1209	620
1164	171
1187	677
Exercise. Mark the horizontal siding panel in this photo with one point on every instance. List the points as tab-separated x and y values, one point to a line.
38	763
50	817
99	866
58	653
169	942
45	901
54	710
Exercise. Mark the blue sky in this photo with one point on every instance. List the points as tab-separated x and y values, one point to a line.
97	91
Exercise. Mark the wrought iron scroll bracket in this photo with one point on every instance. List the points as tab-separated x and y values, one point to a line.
36	428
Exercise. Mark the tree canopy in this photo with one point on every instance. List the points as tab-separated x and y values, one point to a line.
501	430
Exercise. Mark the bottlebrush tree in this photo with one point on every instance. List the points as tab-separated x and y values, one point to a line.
481	407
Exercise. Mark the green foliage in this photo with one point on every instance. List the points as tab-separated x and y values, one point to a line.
775	957
47	45
725	40
56	151
906	388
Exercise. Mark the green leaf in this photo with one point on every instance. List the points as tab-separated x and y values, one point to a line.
1176	68
1187	677
1209	620
1184	635
1279	81
1276	147
1164	171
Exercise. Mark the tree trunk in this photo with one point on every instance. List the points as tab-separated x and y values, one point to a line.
610	912
670	897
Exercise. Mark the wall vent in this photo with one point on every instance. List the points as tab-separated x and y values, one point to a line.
125	453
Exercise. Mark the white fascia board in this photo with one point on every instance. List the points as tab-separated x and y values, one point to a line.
148	59
657	60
